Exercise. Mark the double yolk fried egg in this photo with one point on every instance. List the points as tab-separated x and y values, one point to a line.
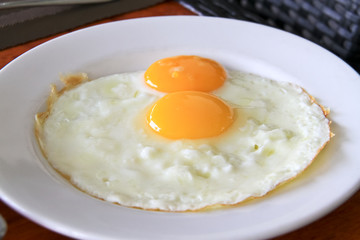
183	135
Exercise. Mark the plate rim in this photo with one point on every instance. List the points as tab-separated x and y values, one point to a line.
26	212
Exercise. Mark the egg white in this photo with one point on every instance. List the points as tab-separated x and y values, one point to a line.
96	135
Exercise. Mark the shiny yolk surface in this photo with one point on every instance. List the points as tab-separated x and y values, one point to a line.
190	115
185	73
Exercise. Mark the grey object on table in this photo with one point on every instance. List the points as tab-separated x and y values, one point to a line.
20	25
29	3
3	227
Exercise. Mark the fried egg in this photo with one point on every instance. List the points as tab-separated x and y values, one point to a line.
129	140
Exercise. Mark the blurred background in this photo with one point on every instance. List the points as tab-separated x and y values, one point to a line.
333	24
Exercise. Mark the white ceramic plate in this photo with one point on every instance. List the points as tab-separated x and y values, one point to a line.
31	187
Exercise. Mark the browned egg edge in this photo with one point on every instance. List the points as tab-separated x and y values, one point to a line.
71	81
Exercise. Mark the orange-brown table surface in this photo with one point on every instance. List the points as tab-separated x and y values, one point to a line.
343	223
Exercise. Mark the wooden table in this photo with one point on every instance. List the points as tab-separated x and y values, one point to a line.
343	223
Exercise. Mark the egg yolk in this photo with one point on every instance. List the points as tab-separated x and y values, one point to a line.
185	73
190	115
